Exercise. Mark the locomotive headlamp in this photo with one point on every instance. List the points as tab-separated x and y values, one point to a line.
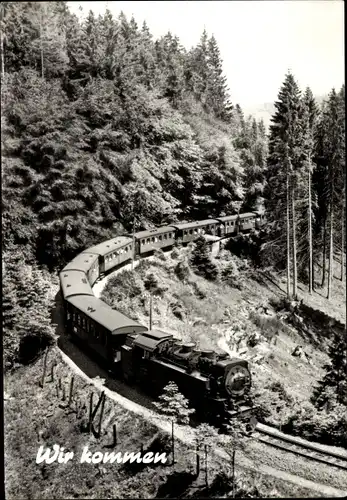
237	379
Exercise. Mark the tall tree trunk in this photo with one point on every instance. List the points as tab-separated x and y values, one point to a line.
310	265
2	56
324	250
331	245
295	273
41	48
288	237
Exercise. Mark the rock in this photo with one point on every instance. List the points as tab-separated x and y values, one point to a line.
243	351
258	359
300	353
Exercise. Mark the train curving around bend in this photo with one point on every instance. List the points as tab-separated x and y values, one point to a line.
217	386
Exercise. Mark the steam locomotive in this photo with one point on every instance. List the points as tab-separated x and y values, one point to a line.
216	385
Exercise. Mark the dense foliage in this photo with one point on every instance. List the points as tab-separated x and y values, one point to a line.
102	123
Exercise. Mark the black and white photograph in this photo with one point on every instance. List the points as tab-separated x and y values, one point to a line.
173	249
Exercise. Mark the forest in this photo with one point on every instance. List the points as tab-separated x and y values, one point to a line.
105	129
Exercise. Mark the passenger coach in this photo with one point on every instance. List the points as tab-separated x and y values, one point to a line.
154	239
102	328
112	252
189	231
87	263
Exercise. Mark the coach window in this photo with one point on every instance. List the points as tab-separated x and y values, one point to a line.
190	231
160	238
148	240
78	319
143	242
165	236
153	240
125	249
170	235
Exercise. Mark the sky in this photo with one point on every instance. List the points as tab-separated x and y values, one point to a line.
258	40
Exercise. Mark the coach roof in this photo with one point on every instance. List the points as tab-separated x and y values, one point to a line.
188	225
154	232
74	283
114	321
83	262
109	245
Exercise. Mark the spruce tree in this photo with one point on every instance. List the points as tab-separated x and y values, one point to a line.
334	382
285	148
309	122
201	260
174	405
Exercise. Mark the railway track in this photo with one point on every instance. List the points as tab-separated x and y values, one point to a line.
270	435
294	445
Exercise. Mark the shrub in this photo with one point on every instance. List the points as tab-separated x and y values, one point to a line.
201	260
231	275
182	271
322	426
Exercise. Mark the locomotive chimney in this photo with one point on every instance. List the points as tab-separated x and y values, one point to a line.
188	347
208	354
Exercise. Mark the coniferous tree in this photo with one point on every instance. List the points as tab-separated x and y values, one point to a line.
330	155
334	383
285	147
201	260
217	90
309	120
174	405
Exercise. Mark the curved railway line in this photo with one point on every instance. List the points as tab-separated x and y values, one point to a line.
297	446
262	433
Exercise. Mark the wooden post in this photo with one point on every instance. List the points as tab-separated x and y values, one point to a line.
59	383
233	472
150	311
114	435
197	460
64	392
133	243
173	443
98	404
90	412
44	367
71	390
52	372
206	473
101	414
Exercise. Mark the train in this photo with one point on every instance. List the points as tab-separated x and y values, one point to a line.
216	385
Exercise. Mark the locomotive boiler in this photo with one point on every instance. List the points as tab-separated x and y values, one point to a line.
215	384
